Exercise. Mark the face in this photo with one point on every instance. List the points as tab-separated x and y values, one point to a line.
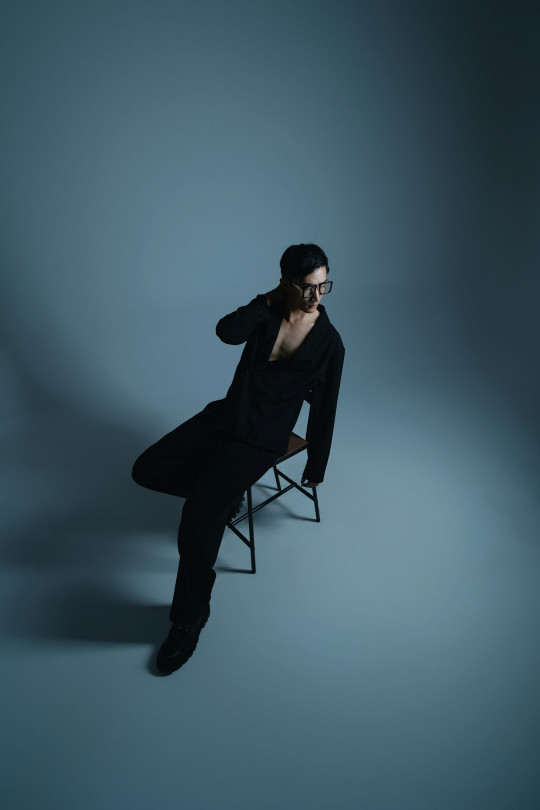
294	294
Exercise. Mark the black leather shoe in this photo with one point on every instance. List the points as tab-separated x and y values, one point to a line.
180	644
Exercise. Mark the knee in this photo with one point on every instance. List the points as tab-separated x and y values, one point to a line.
139	471
149	471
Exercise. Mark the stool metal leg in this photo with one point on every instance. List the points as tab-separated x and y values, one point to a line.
316	502
251	530
280	490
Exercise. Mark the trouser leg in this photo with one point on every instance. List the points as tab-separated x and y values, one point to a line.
173	463
233	469
210	469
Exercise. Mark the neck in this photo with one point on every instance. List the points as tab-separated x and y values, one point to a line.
294	315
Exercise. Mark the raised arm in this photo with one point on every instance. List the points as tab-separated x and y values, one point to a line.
236	327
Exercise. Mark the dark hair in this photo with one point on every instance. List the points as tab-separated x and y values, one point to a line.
301	260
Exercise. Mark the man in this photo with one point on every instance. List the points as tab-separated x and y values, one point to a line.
292	353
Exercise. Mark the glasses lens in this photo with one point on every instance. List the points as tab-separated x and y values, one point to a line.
324	288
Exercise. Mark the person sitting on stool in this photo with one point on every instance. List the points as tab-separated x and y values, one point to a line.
292	354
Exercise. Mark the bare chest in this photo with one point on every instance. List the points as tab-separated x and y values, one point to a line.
290	338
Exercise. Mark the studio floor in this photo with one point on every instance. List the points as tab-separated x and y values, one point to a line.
384	659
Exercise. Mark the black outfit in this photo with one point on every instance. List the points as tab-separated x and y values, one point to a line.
217	454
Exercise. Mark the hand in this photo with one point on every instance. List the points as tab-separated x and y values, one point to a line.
275	295
306	483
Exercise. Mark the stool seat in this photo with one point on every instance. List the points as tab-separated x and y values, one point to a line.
296	445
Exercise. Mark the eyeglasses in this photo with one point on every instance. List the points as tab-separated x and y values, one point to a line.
308	290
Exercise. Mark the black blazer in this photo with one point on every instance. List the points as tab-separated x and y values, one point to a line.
265	398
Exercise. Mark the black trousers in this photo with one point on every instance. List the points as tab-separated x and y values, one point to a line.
208	468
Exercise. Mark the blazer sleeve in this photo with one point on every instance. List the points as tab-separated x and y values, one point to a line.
237	327
322	412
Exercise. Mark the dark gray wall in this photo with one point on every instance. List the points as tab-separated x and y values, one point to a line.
158	157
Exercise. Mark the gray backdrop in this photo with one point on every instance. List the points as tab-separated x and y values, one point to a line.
156	160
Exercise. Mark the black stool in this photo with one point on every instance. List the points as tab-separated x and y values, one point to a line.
296	445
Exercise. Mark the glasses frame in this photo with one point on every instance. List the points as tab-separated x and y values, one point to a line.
307	287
